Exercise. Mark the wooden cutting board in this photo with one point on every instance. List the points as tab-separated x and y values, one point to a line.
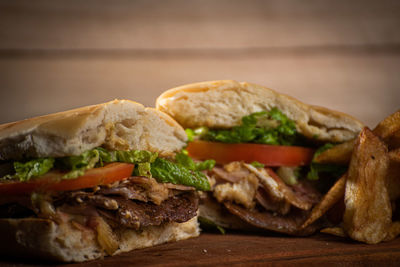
250	250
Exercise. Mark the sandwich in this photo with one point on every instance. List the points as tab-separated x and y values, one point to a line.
264	144
96	181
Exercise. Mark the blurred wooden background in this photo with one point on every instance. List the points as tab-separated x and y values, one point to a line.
56	55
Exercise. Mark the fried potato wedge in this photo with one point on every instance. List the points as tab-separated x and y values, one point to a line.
337	231
389	126
394	155
393	231
373	181
394	141
393	180
388	129
334	195
340	154
368	211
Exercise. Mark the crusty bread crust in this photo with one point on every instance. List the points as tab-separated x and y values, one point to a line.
222	104
44	239
119	124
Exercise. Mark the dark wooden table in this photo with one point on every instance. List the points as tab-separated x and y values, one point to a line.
244	250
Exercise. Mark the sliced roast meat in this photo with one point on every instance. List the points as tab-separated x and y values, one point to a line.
87	198
268	203
119	211
304	190
133	203
232	172
242	192
179	187
102	202
83	209
298	196
20	200
139	188
212	210
125	192
135	214
301	195
15	210
287	224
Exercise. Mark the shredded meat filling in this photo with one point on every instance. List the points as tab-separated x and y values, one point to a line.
133	203
275	196
134	214
287	224
302	197
232	172
280	207
139	188
268	203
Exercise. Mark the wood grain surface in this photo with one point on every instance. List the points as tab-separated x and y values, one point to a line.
236	249
57	55
206	24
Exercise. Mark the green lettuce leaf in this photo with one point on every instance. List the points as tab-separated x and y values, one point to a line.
265	127
33	168
206	224
185	171
79	164
143	169
257	164
98	156
133	156
187	162
331	170
322	149
165	171
318	169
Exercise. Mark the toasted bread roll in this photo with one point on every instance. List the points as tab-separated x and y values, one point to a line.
116	125
222	104
45	239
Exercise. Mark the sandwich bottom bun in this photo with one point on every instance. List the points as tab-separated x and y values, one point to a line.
45	239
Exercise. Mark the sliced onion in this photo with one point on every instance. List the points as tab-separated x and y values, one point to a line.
105	236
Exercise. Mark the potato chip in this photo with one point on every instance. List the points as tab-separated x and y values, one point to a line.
393	175
393	180
339	154
337	231
393	141
334	195
372	184
368	211
389	126
394	155
393	231
388	129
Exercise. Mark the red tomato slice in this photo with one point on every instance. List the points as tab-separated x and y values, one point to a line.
52	181
269	155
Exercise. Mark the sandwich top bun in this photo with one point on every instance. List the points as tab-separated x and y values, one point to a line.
222	104
116	125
